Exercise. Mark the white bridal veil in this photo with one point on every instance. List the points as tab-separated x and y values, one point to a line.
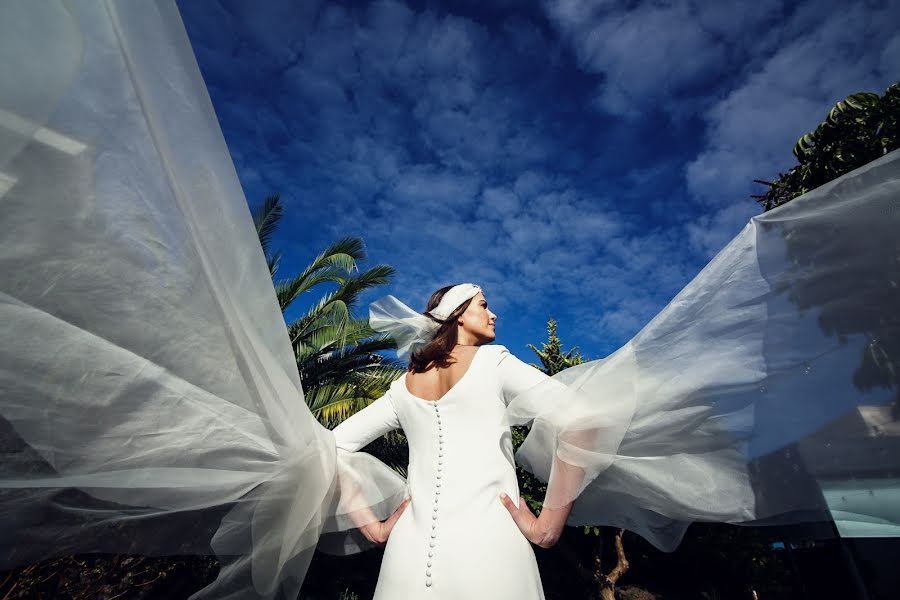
150	400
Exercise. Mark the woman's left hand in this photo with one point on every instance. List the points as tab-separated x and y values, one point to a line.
378	532
543	531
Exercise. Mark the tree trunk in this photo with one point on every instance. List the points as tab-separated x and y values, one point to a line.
608	582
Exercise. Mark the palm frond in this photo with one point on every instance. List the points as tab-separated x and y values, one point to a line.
336	306
334	402
318	367
332	334
289	290
273	261
349	366
377	275
392	450
342	254
333	265
266	218
340	302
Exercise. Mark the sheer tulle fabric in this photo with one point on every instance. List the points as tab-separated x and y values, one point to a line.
751	397
150	398
408	328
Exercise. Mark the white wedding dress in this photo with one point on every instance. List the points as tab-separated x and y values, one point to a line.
455	539
151	403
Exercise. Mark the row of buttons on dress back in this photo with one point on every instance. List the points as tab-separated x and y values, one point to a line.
437	493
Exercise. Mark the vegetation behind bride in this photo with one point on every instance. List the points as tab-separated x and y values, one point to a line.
343	368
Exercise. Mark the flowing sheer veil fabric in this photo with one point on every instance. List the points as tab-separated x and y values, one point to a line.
149	394
404	325
150	398
764	393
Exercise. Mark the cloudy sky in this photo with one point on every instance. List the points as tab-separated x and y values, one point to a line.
581	159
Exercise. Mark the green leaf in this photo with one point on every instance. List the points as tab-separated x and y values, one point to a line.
266	218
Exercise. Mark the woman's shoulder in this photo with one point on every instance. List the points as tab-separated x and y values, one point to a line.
494	353
497	350
398	384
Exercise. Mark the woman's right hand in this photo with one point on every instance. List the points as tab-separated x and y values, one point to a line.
543	531
378	532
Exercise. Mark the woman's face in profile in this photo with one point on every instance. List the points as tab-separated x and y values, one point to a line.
478	320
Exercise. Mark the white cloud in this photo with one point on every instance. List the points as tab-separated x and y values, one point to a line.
750	132
709	234
436	189
650	52
498	201
458	151
889	63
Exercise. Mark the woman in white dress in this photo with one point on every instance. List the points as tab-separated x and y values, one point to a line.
146	376
455	539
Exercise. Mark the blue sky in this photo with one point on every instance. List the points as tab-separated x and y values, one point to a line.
577	159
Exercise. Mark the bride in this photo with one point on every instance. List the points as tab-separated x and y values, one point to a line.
455	536
151	402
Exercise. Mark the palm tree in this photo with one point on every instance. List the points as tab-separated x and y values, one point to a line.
337	353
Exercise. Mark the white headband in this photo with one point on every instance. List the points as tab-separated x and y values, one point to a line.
452	299
411	329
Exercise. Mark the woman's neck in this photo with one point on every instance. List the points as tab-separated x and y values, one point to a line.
464	338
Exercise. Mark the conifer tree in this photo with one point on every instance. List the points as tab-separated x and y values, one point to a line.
553	360
552	356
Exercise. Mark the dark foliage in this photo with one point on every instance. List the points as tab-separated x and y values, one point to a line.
102	576
859	129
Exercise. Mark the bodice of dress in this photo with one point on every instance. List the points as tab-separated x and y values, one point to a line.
460	459
459	439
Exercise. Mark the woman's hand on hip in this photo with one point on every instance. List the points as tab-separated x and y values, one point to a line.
378	532
543	531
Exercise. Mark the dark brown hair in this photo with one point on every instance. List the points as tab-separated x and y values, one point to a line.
437	351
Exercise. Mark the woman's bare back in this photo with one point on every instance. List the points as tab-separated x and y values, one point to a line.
433	384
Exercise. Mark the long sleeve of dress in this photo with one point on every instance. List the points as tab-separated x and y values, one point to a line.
366	425
367	490
515	376
571	439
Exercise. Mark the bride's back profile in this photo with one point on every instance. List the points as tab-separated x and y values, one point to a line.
455	539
